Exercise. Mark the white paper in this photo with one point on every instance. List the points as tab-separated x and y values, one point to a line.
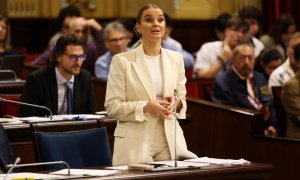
60	117
180	163
101	112
35	176
77	116
118	167
9	120
32	119
218	161
86	172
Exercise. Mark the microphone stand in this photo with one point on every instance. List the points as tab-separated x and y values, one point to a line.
28	104
11	72
12	166
175	120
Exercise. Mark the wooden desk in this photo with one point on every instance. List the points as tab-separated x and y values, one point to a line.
222	131
12	87
235	172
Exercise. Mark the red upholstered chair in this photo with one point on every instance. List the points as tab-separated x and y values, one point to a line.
281	114
205	87
192	88
8	108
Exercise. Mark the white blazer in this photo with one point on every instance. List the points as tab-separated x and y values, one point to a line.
129	87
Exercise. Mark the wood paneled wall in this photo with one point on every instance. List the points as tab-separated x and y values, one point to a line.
179	9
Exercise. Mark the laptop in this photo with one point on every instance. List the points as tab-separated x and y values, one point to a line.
13	62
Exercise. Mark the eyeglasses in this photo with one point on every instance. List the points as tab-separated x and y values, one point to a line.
114	40
73	57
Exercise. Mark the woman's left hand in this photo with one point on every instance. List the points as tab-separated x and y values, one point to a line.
174	102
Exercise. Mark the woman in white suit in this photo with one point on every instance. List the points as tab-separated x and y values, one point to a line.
139	94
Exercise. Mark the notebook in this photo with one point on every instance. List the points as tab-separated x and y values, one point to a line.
13	62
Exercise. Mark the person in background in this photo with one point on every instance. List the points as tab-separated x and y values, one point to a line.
115	36
129	26
5	46
280	34
213	58
140	94
254	18
268	61
287	69
81	27
65	15
242	87
219	26
290	99
49	86
169	43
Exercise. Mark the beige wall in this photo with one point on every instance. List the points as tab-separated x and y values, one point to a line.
178	9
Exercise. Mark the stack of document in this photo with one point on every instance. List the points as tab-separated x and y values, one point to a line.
86	172
216	161
59	118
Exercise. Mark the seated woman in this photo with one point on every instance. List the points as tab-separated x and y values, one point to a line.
268	61
5	46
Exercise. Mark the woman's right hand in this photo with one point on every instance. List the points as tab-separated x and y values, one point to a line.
158	109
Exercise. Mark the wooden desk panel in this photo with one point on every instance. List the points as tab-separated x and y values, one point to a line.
227	132
12	87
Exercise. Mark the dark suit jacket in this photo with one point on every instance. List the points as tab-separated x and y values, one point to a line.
231	90
41	89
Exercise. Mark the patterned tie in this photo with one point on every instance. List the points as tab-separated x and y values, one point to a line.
69	97
252	95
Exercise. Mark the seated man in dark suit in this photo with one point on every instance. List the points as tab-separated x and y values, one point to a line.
242	87
63	86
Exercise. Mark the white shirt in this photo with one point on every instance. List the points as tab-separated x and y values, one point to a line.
61	90
207	55
156	74
258	46
281	74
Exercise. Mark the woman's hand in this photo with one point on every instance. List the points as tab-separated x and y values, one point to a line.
174	102
158	109
270	131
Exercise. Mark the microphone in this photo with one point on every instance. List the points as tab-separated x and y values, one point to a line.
28	104
11	166
175	129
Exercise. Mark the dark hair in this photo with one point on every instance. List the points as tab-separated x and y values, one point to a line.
140	14
6	43
281	26
251	12
65	12
297	53
268	55
62	43
168	20
221	21
237	23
